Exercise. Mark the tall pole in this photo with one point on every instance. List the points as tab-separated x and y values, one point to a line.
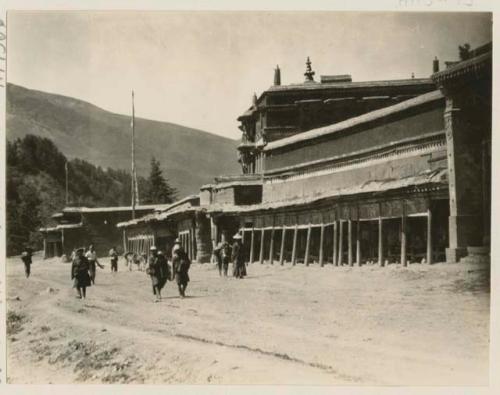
133	158
67	190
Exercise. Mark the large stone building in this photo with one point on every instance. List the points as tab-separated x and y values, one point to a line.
343	172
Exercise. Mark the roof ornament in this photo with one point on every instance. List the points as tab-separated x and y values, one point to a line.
309	74
254	100
277	76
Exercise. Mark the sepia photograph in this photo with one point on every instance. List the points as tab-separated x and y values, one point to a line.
248	197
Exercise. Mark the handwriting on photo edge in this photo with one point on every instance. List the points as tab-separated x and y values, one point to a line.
3	52
431	3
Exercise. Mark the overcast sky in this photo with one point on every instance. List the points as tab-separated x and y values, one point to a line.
200	69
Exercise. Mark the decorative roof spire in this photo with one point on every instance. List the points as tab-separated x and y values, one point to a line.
254	99
277	75
309	74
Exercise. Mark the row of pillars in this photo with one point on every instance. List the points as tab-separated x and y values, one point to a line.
187	239
338	242
140	245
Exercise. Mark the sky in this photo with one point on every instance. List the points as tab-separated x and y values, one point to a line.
200	69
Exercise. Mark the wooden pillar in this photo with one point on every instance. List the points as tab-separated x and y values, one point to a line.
429	236
124	234
261	253
192	244
358	242
335	240
193	256
62	241
380	243
403	237
349	242
321	241
242	235
213	232
341	243
252	245
308	244
282	249
294	247
271	247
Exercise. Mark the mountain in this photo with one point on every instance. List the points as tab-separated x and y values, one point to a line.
189	157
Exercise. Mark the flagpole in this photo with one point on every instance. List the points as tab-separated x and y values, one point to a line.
67	190
133	158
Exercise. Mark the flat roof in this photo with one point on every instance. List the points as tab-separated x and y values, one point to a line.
349	85
165	212
316	85
112	209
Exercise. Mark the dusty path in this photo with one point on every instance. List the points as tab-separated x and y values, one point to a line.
281	325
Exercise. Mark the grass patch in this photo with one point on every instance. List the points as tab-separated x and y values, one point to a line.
14	322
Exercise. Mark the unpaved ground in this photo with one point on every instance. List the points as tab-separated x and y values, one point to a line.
424	325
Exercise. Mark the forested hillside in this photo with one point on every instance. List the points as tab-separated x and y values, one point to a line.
36	188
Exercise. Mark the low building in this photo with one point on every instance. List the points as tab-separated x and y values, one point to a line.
184	219
80	226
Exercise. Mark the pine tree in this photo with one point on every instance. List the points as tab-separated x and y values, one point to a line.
159	191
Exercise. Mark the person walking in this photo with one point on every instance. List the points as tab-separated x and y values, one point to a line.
180	268
80	273
226	256
218	257
26	257
113	253
239	269
91	256
158	270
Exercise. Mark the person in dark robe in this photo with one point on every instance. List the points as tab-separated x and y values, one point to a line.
218	257
225	256
239	269
26	257
113	253
164	269
158	270
180	268
80	273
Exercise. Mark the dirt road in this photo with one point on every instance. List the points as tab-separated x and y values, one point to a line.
424	325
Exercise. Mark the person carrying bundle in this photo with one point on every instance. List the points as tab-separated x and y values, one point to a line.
180	268
80	273
159	272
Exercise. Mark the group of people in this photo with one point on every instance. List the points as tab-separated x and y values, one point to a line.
224	253
83	269
84	265
160	271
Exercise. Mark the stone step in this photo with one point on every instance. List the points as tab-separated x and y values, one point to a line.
476	259
483	250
